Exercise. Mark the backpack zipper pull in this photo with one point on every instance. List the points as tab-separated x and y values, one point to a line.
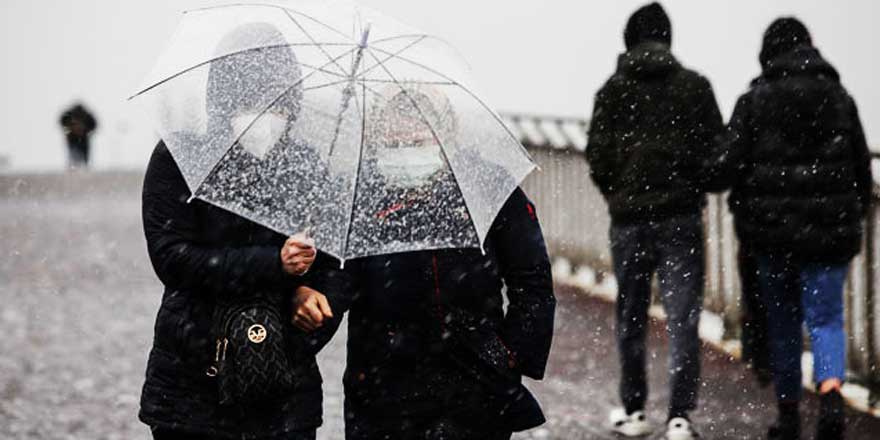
214	369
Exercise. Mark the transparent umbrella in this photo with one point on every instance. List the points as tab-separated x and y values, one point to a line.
332	118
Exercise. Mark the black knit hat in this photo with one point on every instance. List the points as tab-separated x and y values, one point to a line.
782	36
648	23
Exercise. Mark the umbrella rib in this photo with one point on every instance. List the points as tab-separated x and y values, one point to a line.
472	94
314	109
429	83
253	218
357	176
389	55
191	68
372	90
281	95
325	85
442	146
355	77
267	5
287	13
398	37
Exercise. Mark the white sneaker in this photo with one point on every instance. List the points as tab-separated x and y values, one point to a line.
629	425
680	428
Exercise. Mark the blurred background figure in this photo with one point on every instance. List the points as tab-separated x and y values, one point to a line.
653	124
78	125
798	166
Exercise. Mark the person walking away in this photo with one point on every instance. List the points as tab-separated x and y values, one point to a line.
799	168
653	126
78	125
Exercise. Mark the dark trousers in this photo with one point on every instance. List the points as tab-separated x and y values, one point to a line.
754	316
166	434
359	428
673	249
78	155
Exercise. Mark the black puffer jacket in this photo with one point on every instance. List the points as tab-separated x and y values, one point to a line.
429	341
202	253
797	160
654	124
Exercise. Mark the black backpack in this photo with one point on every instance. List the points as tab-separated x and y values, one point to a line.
252	361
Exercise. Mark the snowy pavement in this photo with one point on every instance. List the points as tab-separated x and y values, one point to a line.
78	298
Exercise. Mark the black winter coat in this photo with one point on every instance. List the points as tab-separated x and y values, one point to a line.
653	127
202	253
797	162
429	340
78	125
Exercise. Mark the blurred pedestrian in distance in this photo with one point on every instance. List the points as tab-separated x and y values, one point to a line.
654	123
798	166
78	125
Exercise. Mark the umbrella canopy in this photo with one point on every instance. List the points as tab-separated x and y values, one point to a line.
333	118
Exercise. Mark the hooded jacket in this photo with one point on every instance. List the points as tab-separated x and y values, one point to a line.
201	254
204	254
429	339
796	156
654	124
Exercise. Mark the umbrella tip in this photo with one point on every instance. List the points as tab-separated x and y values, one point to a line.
366	35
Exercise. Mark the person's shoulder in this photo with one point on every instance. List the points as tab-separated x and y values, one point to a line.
694	78
161	167
615	82
612	89
518	204
160	154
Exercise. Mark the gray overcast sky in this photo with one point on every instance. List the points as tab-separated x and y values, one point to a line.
546	56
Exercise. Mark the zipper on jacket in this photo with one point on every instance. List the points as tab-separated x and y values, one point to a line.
511	359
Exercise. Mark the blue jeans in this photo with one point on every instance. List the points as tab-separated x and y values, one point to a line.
795	293
673	249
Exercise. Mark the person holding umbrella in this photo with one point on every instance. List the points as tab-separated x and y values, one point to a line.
209	258
799	170
332	141
431	352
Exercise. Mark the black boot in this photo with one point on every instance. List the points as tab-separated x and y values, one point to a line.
788	426
831	422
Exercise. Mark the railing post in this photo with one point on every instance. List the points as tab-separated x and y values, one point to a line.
872	373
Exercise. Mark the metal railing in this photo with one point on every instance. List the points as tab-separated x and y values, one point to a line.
575	220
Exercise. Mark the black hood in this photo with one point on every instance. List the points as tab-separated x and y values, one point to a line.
802	61
239	82
782	36
648	23
647	60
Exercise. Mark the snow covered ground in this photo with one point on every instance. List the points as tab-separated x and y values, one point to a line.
78	298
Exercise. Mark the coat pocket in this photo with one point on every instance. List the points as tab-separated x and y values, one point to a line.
478	346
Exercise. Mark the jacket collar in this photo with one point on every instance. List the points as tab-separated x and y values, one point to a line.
802	61
649	59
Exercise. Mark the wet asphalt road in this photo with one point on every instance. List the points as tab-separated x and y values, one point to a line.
78	298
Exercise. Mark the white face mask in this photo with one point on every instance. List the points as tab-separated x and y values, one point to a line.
410	166
262	135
